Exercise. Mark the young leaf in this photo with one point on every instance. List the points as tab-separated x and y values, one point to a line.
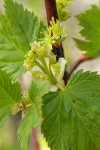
5	113
37	89
10	92
17	30
72	117
33	116
90	21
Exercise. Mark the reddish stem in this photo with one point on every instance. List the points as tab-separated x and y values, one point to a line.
51	10
22	84
75	66
35	143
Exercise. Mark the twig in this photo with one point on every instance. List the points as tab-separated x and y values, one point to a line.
22	84
75	66
51	11
35	141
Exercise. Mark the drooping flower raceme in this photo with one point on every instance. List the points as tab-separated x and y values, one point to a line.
41	55
30	58
58	33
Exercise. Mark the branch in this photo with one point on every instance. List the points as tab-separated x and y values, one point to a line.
51	11
35	143
22	84
75	66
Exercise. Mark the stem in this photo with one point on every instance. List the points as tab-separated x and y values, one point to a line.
51	10
45	69
35	143
22	84
60	86
75	66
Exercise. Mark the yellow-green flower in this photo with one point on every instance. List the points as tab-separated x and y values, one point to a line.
58	32
42	57
39	75
37	48
54	35
29	61
48	40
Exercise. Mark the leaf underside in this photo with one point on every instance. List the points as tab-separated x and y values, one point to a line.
72	117
90	21
17	30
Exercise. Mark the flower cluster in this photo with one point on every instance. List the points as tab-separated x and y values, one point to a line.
54	35
41	54
22	105
29	62
61	7
37	52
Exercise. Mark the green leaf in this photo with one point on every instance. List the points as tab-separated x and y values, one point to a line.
90	21
17	30
5	113
31	120
72	117
10	92
37	89
33	116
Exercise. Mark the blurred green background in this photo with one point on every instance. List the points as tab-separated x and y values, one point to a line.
8	137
